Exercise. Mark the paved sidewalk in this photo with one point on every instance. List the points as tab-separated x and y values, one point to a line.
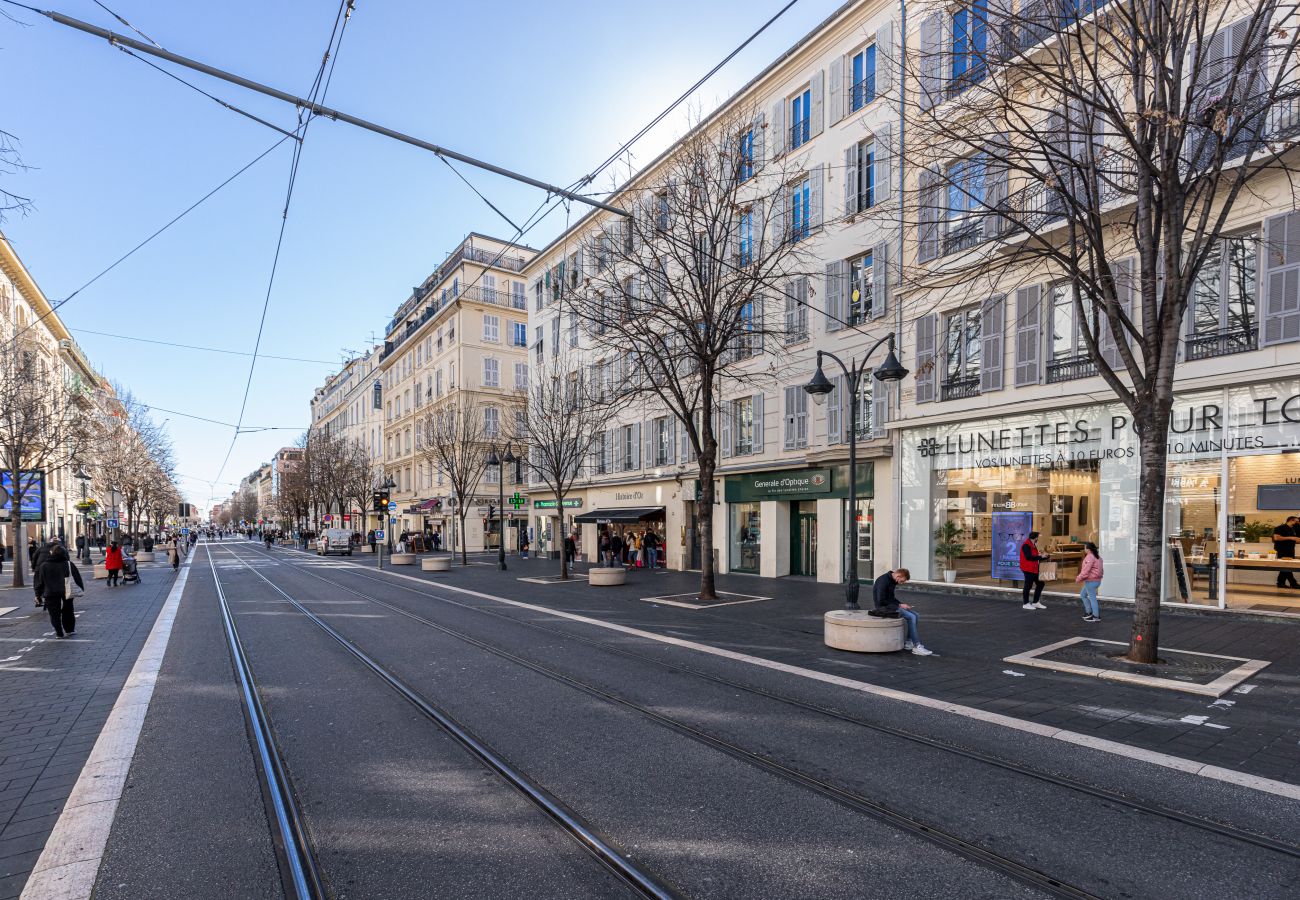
1253	729
54	698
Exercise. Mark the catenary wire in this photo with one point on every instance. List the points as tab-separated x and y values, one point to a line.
127	24
128	337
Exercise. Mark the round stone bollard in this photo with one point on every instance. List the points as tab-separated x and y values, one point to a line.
856	631
436	564
607	577
402	559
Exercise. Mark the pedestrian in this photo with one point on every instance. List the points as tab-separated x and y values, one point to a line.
99	539
53	580
113	563
437	540
174	553
81	546
570	548
616	550
1029	560
32	549
886	602
650	548
36	554
1284	541
603	548
1090	573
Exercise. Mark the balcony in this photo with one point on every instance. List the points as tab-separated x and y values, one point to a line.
799	133
1220	343
960	388
862	93
1069	368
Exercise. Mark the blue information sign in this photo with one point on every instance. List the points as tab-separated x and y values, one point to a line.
112	523
379	535
392	506
1010	529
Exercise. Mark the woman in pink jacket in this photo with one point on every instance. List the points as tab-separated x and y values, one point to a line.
1090	573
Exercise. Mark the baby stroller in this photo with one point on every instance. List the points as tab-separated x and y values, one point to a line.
130	574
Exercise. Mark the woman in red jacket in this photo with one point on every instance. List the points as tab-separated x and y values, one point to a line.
113	563
1029	560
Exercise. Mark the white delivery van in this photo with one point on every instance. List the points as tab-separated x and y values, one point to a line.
334	540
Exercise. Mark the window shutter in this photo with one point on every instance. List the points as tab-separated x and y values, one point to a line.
1280	322
880	278
788	432
992	342
607	451
881	393
818	89
801	314
844	401
837	90
995	191
817	181
672	439
1028	335
791	306
883	181
1123	274
777	131
687	452
648	435
833	413
760	422
851	179
927	363
638	461
886	58
800	418
931	60
757	146
725	415
928	216
836	275
1001	28
777	236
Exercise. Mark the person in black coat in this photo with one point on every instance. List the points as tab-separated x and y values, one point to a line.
886	602
36	555
54	567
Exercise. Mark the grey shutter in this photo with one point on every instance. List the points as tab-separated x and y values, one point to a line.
801	313
578	266
881	392
607	452
817	183
648	434
837	90
836	276
995	193
1028	335
844	401
928	217
833	430
851	179
800	418
884	180
778	127
726	415
757	145
760	422
791	311
788	431
686	451
818	88
637	461
886	58
931	60
927	363
993	323
1122	272
672	439
1280	321
778	236
880	279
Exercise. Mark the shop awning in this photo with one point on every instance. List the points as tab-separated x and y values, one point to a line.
621	515
429	505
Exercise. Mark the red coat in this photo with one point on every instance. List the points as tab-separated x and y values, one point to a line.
113	558
1029	557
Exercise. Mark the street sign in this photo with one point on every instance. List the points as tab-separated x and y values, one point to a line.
112	523
392	506
185	531
392	520
327	518
379	535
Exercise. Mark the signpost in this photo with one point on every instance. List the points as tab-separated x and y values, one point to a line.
379	548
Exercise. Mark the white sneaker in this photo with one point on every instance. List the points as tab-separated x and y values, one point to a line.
1040	606
908	645
1028	606
919	650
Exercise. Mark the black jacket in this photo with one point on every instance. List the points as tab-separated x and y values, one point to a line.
51	571
883	592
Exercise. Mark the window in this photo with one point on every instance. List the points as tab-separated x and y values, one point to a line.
1065	339
745	168
492	328
799	196
575	269
408	440
663	441
662	214
864	78
492	475
796	419
748	341
451	376
745	242
1221	317
521	376
796	311
538	346
437	383
491	373
490	288
517	295
521	424
451	332
861	288
573	329
742	426
961	353
969	42
965	180
866	175
800	116
519	334
628	447
601	452
491	422
555	335
538	295
419	399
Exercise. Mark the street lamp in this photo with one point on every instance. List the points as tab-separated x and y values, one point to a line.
855	373
81	476
501	462
387	488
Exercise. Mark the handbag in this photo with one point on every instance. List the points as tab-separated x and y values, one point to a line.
1047	571
70	586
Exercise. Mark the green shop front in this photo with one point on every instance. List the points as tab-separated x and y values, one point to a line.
795	522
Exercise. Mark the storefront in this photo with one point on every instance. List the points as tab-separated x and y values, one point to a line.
630	511
1072	475
795	522
549	525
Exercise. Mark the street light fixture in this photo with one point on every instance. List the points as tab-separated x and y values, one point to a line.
501	462
855	373
81	476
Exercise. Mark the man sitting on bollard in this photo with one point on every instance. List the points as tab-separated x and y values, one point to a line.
887	604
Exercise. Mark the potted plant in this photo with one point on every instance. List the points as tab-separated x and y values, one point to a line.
947	547
1257	531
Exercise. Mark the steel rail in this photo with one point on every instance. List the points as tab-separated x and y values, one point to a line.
632	874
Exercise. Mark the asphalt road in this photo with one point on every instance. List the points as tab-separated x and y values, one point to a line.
720	779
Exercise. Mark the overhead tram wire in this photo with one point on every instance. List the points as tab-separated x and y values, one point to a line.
128	337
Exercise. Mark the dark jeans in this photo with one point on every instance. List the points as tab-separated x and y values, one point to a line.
112	577
1031	581
61	613
1285	577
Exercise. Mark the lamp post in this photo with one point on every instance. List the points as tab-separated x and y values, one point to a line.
501	462
855	373
81	476
387	488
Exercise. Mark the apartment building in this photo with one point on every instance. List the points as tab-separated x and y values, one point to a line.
460	339
1004	424
348	405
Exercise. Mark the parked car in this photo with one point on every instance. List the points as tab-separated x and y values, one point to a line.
334	540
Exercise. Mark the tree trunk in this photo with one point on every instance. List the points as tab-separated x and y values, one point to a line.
16	526
1153	438
564	538
704	516
464	543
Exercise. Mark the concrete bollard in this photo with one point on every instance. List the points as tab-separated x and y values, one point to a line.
402	559
858	632
607	577
436	564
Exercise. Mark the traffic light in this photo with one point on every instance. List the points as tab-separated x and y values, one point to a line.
492	511
381	501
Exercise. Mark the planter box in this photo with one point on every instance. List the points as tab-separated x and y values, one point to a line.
436	564
607	577
100	571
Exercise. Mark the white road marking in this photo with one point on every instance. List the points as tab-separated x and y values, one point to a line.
1245	689
1013	672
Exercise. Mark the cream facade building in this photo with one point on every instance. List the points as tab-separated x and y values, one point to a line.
347	405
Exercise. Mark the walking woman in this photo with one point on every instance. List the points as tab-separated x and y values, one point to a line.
174	553
113	563
52	578
1090	574
1029	560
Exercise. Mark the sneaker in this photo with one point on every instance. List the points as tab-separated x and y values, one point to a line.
920	650
1094	618
908	645
1040	606
1087	617
1028	606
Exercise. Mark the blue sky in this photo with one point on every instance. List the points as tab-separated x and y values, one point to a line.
116	149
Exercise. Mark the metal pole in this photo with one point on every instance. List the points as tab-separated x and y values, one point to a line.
851	589
501	514
318	109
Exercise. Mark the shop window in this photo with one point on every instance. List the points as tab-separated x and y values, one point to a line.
1221	317
745	538
1067	350
961	354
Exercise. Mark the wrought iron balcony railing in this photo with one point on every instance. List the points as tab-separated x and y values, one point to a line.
1069	368
1221	343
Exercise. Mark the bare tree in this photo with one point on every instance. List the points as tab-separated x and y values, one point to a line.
358	478
11	162
42	428
456	446
710	271
1107	146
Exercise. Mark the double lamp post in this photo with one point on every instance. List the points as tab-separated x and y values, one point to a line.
501	461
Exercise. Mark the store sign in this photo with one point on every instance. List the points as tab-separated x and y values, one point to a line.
33	499
569	503
767	485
